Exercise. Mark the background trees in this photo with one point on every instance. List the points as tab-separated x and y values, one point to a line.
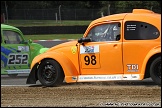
81	4
125	6
72	9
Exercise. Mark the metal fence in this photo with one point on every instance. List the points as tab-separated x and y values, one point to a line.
57	14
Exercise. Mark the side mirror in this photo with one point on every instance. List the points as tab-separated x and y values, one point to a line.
30	41
25	42
81	40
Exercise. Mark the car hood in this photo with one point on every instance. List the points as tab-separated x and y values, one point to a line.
66	44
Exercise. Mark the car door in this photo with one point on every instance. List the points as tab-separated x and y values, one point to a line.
103	55
14	54
139	39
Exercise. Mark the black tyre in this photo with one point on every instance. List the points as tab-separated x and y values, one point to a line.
12	75
155	71
50	73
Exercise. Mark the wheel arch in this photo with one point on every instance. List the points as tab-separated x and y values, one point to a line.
154	53
147	71
66	64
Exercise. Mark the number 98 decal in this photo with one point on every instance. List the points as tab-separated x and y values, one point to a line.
16	59
90	60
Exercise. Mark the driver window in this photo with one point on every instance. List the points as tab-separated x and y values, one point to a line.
11	37
105	32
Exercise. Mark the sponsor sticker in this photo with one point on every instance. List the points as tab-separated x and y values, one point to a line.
73	49
132	67
89	49
18	71
23	48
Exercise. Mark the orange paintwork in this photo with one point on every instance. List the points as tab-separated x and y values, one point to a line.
113	57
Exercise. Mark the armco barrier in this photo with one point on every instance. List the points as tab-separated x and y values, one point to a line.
53	30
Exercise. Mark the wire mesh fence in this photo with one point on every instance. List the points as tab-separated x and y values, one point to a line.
60	13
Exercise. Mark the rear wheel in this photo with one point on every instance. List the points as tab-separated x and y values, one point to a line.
155	70
50	73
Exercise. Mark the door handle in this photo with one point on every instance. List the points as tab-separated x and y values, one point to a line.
115	45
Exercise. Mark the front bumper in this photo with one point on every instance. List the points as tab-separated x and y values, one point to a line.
32	78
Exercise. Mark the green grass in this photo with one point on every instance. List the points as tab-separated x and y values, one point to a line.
27	23
53	36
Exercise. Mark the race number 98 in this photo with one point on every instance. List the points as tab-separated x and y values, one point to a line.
90	59
14	59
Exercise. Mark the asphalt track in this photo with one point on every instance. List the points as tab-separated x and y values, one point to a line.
21	78
50	43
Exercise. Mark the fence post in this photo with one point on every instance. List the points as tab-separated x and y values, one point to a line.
56	16
108	9
75	15
6	12
60	13
2	18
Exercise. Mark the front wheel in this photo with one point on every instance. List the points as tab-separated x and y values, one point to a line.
50	73
155	70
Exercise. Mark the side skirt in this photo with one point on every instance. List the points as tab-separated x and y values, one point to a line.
88	78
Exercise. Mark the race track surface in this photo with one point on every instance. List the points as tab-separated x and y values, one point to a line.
97	94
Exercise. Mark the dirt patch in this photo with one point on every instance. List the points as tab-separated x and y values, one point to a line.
82	95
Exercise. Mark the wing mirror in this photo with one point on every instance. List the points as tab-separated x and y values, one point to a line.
30	41
27	41
81	40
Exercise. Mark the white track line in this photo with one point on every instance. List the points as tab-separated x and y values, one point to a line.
14	85
54	40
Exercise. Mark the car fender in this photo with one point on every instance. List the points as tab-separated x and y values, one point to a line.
68	67
42	50
152	52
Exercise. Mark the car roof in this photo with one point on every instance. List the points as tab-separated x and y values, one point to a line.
5	26
121	16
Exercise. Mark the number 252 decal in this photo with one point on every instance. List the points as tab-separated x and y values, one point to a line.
90	59
18	59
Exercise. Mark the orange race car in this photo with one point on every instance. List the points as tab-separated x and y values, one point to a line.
125	46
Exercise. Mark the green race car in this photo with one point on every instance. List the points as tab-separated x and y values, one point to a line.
16	52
